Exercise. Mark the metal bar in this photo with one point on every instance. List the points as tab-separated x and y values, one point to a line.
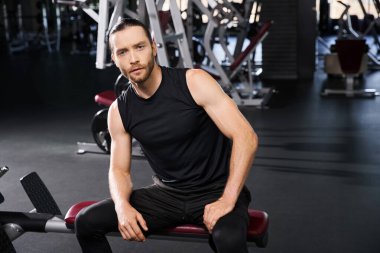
222	41
179	29
45	26
237	69
91	13
226	83
3	170
101	46
158	37
57	225
131	14
58	19
116	14
28	221
362	7
189	26
6	24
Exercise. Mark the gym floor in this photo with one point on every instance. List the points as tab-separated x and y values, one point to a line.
316	172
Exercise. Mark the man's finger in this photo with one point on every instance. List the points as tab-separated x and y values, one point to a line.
131	232
137	231
124	233
142	222
207	213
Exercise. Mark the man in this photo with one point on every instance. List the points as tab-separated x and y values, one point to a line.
185	124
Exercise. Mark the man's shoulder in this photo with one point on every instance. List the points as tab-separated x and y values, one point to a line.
171	70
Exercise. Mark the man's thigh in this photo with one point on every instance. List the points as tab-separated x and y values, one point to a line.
240	210
160	208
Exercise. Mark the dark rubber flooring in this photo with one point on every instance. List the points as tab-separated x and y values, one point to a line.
317	171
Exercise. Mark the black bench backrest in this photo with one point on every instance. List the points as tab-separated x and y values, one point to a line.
350	54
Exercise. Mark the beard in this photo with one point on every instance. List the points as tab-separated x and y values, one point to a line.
146	71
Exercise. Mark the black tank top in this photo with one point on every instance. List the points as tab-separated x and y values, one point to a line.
180	141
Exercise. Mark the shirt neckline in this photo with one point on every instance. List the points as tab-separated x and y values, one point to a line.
151	98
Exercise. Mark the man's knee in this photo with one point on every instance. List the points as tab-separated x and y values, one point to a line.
230	236
83	223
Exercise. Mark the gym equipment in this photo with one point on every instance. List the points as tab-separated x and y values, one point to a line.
83	32
199	51
346	30
349	61
121	84
102	19
18	42
176	34
49	37
100	132
349	56
222	14
46	217
105	24
99	127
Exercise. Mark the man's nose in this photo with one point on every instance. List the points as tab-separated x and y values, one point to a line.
133	58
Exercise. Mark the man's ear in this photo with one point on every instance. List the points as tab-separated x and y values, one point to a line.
154	47
113	59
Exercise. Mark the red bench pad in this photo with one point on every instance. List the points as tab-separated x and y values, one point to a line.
257	229
105	97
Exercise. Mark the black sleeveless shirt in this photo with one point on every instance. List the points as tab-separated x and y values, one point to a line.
180	141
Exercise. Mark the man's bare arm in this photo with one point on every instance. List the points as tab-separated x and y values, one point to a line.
120	181
227	117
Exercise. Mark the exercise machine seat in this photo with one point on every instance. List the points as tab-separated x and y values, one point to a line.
105	97
350	54
348	61
257	230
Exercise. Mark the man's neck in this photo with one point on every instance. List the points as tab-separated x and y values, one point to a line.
150	86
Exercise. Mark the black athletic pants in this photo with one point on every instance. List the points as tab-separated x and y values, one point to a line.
161	208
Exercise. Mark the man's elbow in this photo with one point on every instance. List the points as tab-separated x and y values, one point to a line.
253	141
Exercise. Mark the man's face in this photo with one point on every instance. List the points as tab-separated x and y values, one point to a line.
133	54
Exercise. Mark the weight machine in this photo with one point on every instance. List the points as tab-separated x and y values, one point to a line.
149	8
220	15
50	38
346	30
21	40
349	57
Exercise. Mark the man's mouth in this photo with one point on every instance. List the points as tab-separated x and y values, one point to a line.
136	69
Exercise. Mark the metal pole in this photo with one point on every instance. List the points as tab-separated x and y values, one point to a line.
101	47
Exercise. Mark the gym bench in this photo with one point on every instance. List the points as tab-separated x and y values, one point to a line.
47	217
257	230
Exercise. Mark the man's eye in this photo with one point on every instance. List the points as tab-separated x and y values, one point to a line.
140	47
122	52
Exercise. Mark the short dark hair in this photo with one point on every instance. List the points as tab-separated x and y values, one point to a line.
124	23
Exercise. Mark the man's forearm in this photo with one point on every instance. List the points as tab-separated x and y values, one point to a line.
120	184
242	155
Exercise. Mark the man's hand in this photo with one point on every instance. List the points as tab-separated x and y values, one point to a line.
214	211
130	221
